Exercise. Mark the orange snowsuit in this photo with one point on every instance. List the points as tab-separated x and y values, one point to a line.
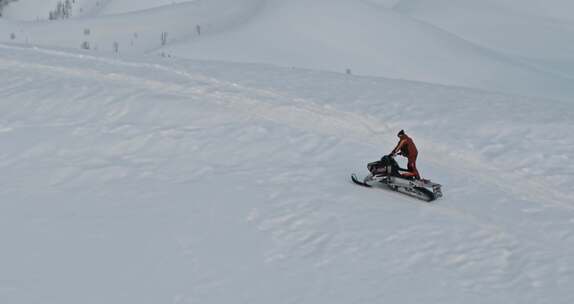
407	148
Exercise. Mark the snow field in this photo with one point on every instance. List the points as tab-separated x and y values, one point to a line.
168	180
130	178
479	45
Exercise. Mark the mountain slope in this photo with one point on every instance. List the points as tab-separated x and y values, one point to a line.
400	39
370	40
533	31
169	180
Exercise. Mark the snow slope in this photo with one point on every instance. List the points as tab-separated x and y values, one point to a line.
371	40
533	31
164	180
33	10
130	178
126	6
478	44
137	32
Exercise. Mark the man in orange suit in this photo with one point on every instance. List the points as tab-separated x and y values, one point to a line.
407	148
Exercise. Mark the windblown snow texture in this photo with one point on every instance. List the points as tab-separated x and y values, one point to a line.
130	177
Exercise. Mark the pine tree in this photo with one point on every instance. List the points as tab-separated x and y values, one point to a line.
67	9
163	38
3	3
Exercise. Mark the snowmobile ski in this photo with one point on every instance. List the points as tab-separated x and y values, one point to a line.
358	182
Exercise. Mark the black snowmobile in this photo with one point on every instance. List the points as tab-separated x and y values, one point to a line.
388	173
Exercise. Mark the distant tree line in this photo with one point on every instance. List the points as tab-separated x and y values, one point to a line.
63	10
3	3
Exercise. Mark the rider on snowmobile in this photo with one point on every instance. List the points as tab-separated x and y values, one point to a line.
407	148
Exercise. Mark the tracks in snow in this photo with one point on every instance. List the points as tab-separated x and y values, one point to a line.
284	109
322	119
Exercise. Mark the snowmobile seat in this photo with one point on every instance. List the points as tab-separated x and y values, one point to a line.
387	166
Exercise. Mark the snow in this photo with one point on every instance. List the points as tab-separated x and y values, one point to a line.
223	177
369	40
126	6
32	10
538	28
463	43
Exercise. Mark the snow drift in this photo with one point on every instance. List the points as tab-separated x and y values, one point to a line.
130	177
166	180
442	42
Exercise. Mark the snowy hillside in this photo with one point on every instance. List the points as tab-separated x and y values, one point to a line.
534	32
138	181
171	151
497	45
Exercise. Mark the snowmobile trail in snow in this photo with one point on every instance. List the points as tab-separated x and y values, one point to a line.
294	112
142	148
269	105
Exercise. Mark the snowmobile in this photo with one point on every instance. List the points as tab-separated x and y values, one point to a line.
387	172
